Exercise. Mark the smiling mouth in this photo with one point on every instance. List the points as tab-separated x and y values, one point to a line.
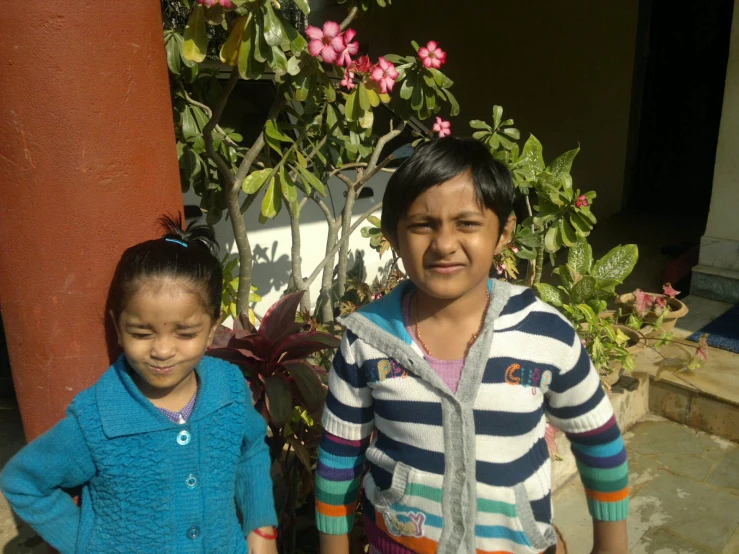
445	268
162	370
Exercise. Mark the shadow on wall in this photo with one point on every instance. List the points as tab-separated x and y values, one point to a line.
271	272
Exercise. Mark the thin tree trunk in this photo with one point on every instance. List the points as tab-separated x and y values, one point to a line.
326	299
346	223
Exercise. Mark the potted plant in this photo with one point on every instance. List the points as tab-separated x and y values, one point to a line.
660	310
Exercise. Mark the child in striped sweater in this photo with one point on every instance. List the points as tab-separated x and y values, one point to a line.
441	390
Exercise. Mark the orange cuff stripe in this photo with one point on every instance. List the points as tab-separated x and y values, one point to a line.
330	510
616	496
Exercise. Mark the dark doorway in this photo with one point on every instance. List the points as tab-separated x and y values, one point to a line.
680	70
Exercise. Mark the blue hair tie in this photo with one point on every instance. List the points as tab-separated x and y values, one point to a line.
177	241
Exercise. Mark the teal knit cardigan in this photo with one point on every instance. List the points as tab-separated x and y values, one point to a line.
148	485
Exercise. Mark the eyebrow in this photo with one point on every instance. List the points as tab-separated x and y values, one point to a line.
461	215
179	326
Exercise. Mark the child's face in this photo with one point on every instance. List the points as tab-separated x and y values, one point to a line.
164	331
448	240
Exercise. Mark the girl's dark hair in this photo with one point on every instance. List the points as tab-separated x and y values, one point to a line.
190	255
438	161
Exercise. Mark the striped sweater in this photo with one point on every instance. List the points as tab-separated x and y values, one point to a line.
466	472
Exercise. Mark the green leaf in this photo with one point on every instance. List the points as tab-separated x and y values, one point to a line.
580	256
245	59
172	45
583	290
349	109
582	227
272	201
477	124
550	295
454	111
567	232
278	61
480	135
439	78
532	155
310	179
287	186
563	164
364	101
617	264
406	89
189	126
513	133
551	239
260	46
274	132
497	116
272	26
589	314
195	46
415	45
526	253
255	180
303	6
367	120
293	66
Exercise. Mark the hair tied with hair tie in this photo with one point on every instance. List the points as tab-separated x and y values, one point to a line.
177	241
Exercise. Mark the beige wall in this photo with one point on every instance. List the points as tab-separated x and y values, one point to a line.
562	70
723	218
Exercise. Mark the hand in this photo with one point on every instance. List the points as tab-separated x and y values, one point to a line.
260	545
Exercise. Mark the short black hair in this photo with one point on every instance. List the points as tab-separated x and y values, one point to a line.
189	254
438	161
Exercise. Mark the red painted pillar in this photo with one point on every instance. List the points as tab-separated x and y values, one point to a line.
87	165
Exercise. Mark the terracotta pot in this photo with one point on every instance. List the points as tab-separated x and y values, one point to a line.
677	310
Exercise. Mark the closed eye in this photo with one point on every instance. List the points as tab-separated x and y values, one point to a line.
141	336
187	336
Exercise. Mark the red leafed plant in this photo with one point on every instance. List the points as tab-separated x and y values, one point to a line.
275	360
288	389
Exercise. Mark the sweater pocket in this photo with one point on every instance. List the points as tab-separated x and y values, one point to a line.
527	522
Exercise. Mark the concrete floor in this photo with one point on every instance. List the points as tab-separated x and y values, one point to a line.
684	493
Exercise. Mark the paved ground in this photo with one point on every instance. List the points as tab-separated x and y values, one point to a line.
684	493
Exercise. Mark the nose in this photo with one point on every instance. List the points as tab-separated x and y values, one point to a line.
163	348
445	241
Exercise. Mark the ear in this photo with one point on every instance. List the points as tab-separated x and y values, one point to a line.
391	239
115	324
213	330
507	234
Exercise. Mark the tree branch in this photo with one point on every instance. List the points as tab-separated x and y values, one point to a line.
349	18
341	241
363	180
381	142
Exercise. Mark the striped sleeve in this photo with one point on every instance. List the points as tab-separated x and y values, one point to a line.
577	405
348	422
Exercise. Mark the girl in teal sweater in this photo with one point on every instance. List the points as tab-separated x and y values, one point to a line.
167	448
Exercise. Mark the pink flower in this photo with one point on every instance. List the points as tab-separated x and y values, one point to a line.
326	43
208	3
514	248
582	200
442	127
227	4
431	55
643	302
350	48
348	80
584	343
669	291
362	64
660	303
385	74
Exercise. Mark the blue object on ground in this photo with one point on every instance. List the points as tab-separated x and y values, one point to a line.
723	331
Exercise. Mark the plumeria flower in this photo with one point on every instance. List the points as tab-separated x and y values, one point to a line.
442	127
431	55
362	64
384	73
326	43
582	200
348	80
669	291
350	48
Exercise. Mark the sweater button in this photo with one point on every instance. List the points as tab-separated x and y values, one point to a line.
191	481
183	438
193	532
461	476
459	528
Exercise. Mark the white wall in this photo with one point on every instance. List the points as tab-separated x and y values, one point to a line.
271	242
